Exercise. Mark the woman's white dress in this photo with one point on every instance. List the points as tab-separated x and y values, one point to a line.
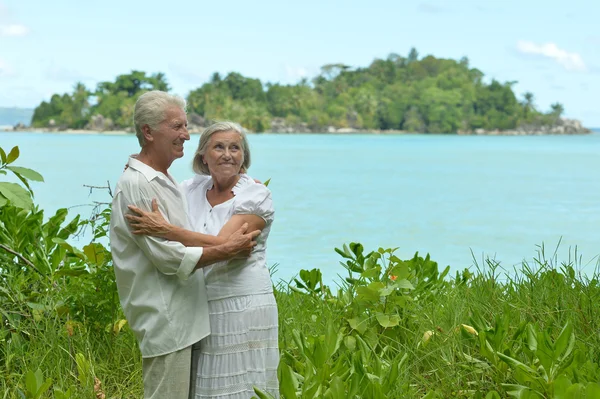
242	348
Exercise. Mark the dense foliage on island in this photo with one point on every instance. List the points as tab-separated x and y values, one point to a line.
388	328
398	93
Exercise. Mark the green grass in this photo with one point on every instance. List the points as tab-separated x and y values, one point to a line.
393	328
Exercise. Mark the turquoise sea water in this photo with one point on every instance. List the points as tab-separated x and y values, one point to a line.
446	195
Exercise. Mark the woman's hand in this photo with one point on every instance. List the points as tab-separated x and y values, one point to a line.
148	223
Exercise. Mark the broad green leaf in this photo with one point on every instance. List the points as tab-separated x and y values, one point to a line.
404	284
31	381
359	325
516	364
592	390
387	321
261	394
577	391
354	267
531	338
520	391
26	172
71	271
343	254
368	294
95	253
350	342
16	194
387	290
3	200
119	324
493	395
12	155
36	306
545	350
43	388
393	373
562	342
24	181
336	389
288	383
372	272
58	394
2	155
401	271
561	384
84	370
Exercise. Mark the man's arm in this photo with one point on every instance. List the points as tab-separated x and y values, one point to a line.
173	258
237	244
154	224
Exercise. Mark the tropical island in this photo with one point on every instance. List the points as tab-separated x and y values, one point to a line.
396	94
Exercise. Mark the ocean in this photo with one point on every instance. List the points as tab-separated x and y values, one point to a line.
459	198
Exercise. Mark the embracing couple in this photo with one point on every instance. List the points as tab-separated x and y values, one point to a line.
190	260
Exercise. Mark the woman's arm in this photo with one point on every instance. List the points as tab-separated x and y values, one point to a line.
254	223
154	224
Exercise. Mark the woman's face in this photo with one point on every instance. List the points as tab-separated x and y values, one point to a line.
224	155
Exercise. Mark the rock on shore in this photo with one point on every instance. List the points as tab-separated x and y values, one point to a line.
279	125
561	126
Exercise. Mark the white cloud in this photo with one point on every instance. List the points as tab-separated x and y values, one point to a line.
13	30
430	8
295	73
63	74
189	75
5	69
569	61
3	11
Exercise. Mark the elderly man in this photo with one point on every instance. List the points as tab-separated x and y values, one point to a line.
163	299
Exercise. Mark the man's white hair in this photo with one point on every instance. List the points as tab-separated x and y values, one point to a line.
150	110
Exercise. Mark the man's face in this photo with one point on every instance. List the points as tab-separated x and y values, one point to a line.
172	132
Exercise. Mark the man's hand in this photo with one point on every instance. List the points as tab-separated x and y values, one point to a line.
148	223
241	243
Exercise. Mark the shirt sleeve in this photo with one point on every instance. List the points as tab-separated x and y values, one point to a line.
169	257
255	200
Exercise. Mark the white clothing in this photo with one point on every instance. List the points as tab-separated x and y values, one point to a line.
163	299
242	350
239	276
168	376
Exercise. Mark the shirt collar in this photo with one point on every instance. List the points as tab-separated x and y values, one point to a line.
148	172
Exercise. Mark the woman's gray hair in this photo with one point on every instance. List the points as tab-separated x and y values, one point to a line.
200	167
150	110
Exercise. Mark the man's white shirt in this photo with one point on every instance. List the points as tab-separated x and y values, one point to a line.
164	300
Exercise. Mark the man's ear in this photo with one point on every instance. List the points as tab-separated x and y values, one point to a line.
147	133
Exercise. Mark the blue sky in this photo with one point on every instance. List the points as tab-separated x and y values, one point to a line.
551	47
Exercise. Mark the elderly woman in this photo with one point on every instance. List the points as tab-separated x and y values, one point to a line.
242	349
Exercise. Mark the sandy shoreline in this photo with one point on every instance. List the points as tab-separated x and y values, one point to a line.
68	131
122	132
340	132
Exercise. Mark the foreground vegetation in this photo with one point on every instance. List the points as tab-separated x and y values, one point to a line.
393	328
401	93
